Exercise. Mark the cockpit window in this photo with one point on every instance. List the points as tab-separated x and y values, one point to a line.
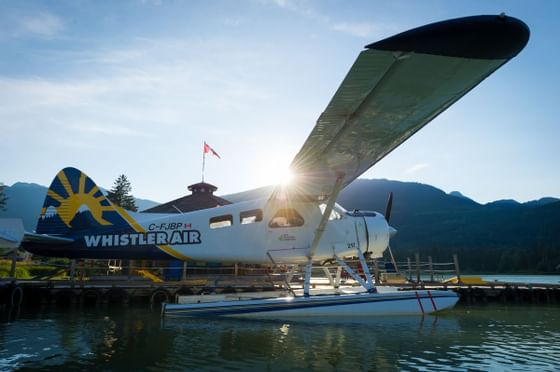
286	217
335	215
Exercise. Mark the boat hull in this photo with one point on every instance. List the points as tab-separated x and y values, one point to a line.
358	304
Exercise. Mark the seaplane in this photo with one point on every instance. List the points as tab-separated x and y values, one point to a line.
394	88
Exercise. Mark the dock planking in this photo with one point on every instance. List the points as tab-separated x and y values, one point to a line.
30	293
497	292
117	292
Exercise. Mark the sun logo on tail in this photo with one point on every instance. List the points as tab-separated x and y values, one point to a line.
72	197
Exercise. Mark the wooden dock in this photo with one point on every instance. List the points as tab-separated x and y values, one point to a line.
119	292
29	293
143	286
498	292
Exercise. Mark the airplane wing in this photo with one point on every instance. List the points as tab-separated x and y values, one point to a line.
395	87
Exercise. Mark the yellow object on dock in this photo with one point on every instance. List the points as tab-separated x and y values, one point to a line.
393	278
148	275
473	280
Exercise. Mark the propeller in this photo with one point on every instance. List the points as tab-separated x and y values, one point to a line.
389	207
392	230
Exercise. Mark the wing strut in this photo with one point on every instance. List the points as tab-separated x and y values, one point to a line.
326	214
319	232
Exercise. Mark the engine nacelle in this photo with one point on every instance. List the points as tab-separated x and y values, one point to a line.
375	237
379	233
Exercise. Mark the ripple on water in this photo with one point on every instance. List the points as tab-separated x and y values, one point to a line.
464	339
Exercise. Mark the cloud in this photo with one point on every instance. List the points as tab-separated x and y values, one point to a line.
110	130
152	2
358	29
355	29
176	88
281	3
45	25
165	94
416	168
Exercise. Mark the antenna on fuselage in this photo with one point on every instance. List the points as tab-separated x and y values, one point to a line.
177	209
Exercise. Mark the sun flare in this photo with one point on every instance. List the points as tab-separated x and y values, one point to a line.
285	178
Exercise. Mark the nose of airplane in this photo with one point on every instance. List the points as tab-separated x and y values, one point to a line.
392	231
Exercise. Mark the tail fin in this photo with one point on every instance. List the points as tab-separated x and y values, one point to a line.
74	204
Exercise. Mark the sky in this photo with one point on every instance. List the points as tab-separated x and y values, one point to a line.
136	87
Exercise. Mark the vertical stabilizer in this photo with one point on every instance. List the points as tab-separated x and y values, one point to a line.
75	204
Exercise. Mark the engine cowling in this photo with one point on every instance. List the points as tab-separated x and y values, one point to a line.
375	237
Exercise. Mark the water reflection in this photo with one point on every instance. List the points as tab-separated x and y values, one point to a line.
75	339
526	338
306	344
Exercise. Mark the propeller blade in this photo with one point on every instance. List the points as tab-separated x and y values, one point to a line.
389	207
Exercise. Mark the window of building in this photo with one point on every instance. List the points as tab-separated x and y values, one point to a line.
286	217
251	216
221	221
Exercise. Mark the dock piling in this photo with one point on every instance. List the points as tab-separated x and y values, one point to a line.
417	267
409	273
456	262
431	268
14	265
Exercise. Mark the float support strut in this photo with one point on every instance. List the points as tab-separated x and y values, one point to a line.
307	281
366	271
353	274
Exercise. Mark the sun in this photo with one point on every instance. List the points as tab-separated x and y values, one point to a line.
286	178
272	170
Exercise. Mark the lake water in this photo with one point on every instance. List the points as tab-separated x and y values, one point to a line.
493	337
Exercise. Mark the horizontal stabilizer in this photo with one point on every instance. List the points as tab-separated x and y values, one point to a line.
46	239
11	234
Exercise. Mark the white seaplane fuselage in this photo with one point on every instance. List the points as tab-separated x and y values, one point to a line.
263	231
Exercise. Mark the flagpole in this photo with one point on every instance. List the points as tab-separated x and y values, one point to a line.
203	161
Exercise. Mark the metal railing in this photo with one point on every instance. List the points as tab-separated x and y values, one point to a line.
411	270
414	271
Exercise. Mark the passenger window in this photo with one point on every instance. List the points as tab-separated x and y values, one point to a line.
286	217
221	221
251	216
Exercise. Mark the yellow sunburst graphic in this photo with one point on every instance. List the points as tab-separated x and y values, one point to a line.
70	205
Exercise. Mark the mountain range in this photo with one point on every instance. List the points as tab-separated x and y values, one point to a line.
504	235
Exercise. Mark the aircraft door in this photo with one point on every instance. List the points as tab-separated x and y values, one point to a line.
286	236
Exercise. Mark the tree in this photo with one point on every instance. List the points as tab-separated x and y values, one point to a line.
3	197
120	194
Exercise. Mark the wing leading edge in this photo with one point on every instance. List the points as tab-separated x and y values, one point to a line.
395	87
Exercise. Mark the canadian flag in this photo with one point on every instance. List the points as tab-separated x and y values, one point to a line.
210	150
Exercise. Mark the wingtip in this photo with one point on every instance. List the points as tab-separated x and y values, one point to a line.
479	37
